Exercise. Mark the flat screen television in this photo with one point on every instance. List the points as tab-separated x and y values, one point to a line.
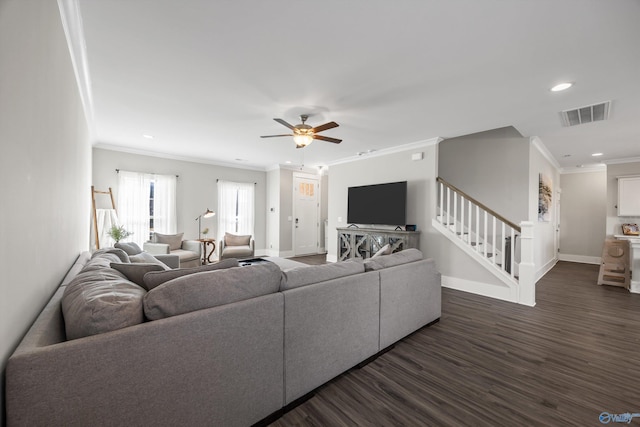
380	204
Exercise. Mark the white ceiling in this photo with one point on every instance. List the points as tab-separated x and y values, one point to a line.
206	77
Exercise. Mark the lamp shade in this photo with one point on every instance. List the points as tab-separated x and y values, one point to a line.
208	214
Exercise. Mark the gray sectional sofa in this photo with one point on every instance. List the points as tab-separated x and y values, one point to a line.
221	345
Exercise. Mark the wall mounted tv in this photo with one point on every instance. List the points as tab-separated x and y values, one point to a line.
380	204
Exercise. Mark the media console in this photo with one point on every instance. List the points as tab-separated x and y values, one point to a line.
365	242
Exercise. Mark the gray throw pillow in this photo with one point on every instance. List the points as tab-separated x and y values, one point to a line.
385	250
136	271
130	248
156	278
211	289
101	301
397	258
173	240
234	240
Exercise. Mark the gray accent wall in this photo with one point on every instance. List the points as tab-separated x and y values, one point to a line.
583	215
196	187
492	167
45	167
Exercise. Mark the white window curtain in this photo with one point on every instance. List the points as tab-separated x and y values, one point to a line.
164	204
236	208
134	202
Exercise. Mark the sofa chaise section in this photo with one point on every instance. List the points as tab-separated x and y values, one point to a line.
198	368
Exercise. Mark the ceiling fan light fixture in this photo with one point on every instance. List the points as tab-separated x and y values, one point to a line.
302	140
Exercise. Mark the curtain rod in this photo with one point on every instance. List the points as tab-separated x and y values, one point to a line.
177	176
218	180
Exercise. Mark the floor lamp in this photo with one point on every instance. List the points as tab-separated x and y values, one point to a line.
207	214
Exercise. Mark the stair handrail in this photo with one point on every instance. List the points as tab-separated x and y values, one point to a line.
480	204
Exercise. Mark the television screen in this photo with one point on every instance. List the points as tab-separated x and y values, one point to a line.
380	204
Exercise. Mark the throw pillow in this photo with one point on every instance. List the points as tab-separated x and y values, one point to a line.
130	248
156	278
385	250
100	301
234	240
173	240
136	271
144	257
398	258
211	289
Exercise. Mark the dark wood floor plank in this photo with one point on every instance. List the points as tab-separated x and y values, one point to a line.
493	363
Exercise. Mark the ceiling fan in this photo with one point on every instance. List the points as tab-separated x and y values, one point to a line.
303	134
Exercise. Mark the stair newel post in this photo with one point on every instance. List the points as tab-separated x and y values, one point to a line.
527	291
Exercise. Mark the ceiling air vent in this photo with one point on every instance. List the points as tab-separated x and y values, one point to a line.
588	114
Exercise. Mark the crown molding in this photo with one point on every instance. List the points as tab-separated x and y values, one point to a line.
539	145
74	33
175	157
596	167
621	161
387	151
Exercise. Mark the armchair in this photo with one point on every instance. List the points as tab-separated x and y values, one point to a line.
232	246
188	251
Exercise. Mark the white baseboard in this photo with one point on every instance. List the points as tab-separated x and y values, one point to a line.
286	254
580	258
485	289
545	268
332	258
634	287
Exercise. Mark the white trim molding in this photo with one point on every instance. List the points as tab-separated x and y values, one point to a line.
500	292
582	259
390	150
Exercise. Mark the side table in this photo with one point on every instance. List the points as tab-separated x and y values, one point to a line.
206	259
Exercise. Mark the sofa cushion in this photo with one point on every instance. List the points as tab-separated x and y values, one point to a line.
103	258
100	301
185	255
137	270
242	251
234	240
145	258
210	289
173	240
154	279
318	273
131	248
397	258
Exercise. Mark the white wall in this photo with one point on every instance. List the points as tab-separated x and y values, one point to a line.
583	216
196	187
545	249
45	166
614	223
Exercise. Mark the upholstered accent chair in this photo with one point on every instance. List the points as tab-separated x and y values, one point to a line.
189	251
234	246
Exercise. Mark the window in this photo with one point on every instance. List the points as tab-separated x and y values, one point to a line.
236	209
146	203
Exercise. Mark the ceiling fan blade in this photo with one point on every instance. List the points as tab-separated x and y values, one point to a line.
326	138
275	136
325	126
283	123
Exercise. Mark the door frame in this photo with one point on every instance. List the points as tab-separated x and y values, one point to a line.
318	181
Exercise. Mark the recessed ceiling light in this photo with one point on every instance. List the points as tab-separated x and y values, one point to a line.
147	136
567	155
596	154
561	86
288	162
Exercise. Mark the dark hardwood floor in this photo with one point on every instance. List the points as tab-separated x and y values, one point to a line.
311	259
493	363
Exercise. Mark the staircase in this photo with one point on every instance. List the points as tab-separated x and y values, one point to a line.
496	243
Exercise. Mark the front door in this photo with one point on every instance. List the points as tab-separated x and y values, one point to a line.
305	215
